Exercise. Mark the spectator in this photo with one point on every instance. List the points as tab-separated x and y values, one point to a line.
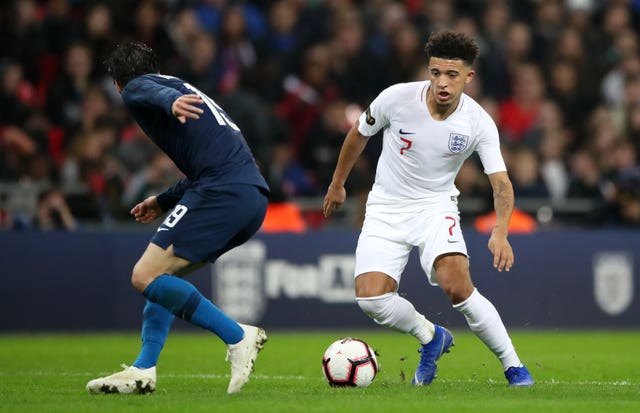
525	175
99	32
310	64
407	57
549	20
519	113
565	88
321	150
280	48
585	176
238	55
612	85
23	38
148	28
435	15
64	100
358	71
306	94
200	67
284	173
492	60
54	213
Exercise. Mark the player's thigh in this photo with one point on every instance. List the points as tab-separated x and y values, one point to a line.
156	261
381	249
442	236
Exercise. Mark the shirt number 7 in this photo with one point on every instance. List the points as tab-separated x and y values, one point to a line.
405	148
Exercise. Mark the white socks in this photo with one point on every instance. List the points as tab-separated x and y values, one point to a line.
395	312
485	322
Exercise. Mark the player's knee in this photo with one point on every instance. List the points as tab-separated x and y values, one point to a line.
458	292
140	279
374	285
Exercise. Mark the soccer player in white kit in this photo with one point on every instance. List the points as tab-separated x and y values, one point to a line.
430	128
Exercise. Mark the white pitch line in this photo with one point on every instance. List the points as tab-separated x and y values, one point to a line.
551	382
169	375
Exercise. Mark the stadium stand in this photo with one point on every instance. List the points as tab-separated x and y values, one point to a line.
561	79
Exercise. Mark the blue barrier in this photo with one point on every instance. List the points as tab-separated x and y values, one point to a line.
80	281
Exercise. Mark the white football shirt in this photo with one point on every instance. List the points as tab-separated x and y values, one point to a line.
421	156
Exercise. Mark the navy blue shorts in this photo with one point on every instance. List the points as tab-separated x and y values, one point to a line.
207	222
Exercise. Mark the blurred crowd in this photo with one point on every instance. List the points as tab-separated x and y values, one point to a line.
561	78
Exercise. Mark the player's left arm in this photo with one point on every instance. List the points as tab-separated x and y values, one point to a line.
503	201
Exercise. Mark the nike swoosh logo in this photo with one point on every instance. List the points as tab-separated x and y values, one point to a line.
163	229
452	241
406	133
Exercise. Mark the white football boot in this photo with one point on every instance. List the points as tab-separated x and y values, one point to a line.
242	355
130	380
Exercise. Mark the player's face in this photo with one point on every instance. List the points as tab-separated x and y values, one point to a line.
448	78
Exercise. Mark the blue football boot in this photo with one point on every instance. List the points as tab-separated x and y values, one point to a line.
430	353
519	377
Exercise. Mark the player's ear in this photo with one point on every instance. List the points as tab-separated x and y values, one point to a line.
470	76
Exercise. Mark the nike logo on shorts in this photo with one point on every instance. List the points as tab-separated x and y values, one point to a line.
406	133
162	229
452	241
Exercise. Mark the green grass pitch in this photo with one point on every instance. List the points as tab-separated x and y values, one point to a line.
595	371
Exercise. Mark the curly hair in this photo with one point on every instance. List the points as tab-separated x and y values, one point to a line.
452	45
131	60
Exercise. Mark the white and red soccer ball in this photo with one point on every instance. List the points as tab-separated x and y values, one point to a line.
349	362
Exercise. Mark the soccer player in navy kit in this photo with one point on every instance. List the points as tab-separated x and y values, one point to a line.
219	205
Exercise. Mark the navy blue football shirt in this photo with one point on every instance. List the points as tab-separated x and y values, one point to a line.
209	151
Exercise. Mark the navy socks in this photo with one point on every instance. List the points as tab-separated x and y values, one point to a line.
183	300
156	321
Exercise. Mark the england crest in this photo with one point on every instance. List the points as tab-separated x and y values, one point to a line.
237	282
613	281
457	142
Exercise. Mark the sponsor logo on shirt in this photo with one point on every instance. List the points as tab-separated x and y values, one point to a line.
457	142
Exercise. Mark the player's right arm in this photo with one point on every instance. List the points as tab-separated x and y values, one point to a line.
146	91
352	147
371	121
147	210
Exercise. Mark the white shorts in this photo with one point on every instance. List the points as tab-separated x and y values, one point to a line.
387	238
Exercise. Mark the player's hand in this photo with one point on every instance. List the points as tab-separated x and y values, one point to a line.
333	200
184	108
502	252
147	210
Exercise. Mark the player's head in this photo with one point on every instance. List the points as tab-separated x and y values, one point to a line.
450	56
131	60
452	45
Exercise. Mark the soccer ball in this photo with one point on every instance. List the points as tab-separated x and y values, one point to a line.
349	362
